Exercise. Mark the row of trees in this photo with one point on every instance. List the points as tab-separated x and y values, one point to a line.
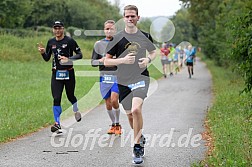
88	14
184	30
223	28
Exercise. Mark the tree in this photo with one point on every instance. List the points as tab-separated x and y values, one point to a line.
242	45
14	13
145	24
88	14
225	33
184	30
45	12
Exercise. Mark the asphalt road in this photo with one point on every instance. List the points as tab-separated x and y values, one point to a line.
173	115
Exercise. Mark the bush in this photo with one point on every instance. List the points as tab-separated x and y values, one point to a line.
76	32
29	32
242	50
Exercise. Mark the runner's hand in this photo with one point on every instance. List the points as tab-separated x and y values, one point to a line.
129	58
63	59
143	62
41	48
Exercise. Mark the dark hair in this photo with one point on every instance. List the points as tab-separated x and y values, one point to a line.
130	7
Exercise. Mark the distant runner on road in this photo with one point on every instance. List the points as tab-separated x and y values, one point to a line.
190	55
164	51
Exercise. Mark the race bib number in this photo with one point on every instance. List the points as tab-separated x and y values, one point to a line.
62	75
139	84
108	79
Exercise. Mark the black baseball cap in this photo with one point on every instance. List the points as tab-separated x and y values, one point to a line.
58	24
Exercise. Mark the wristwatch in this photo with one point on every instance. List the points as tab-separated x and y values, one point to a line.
149	59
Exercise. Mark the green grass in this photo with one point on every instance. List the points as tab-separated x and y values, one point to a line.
230	120
26	101
20	49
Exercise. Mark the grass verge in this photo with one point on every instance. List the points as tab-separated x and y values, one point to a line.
229	120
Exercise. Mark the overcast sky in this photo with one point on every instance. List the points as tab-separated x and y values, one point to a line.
150	8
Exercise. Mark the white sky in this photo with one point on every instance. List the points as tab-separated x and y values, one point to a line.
150	8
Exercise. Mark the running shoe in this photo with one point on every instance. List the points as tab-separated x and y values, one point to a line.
137	152
111	130
142	143
118	130
77	115
56	128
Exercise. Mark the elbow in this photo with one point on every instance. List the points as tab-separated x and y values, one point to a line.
154	52
94	63
78	56
46	58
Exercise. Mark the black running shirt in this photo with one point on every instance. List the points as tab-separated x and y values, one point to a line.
64	47
124	43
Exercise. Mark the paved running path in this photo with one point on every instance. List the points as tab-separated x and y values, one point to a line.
173	121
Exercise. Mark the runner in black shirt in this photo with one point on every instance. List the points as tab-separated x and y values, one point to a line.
129	47
62	48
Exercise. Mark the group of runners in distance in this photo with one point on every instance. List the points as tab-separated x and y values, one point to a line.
173	58
122	61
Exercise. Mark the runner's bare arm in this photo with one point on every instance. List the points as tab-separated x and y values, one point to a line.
144	61
128	59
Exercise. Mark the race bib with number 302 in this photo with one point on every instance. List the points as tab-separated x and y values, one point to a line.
62	75
139	84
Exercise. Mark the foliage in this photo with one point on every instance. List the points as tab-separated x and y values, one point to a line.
24	49
72	31
88	14
28	32
13	13
184	29
242	48
224	33
230	120
145	24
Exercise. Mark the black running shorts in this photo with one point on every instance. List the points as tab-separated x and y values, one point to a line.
126	94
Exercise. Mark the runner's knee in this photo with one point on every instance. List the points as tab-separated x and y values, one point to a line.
136	111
